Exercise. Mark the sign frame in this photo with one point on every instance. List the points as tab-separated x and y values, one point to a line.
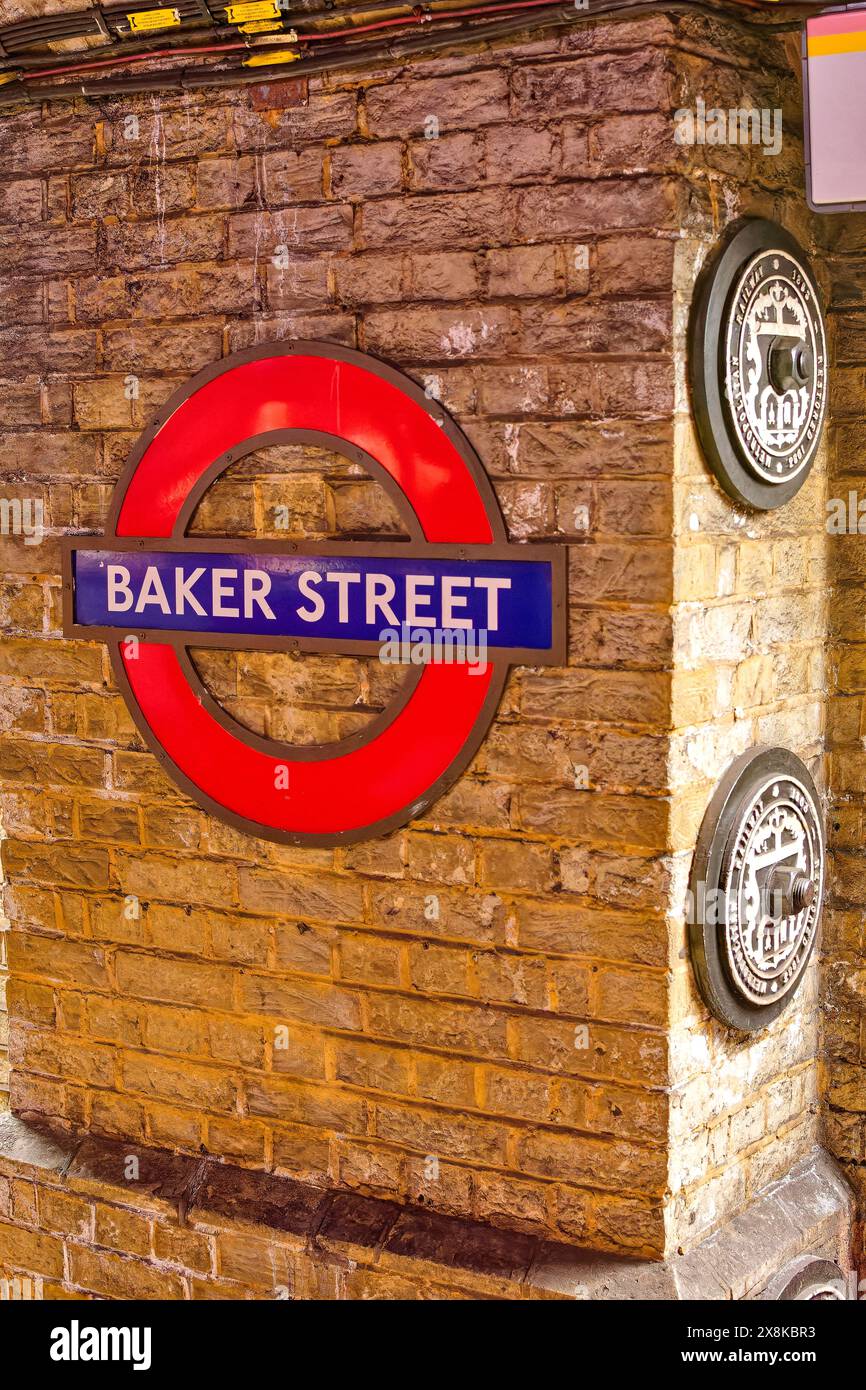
552	655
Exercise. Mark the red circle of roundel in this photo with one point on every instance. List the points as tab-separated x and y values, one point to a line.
263	396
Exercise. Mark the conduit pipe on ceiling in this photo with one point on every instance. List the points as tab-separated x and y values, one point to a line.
547	14
365	51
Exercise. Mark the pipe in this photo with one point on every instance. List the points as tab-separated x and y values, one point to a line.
126	58
194	78
54	26
347	31
143	45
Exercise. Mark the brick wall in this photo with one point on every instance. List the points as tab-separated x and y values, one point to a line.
432	988
88	1217
768	621
750	615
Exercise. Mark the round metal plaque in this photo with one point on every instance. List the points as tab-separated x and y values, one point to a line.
758	360
756	889
807	1280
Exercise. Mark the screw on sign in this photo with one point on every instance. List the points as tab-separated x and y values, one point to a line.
456	576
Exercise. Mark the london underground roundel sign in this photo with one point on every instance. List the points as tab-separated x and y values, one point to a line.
455	601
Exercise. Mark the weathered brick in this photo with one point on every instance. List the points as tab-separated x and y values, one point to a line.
458	220
130	349
633	82
522	271
287	117
424	334
30	1251
32	142
21	200
319	896
113	1276
297	282
130	245
302	1001
466	100
260	235
422	1022
447	162
226	182
145	977
184	1083
365	171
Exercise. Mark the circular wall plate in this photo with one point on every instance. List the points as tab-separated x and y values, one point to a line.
758	364
757	885
808	1280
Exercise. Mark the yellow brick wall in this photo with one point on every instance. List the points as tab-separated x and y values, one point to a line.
750	619
471	1013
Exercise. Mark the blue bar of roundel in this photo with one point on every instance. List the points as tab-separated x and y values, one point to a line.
525	609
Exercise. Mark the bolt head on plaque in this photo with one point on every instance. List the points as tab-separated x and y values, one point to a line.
756	888
758	361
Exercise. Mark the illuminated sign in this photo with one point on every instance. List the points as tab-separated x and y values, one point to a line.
456	603
834	85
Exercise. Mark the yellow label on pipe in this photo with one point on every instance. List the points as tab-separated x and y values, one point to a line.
262	26
253	9
284	36
153	19
260	60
